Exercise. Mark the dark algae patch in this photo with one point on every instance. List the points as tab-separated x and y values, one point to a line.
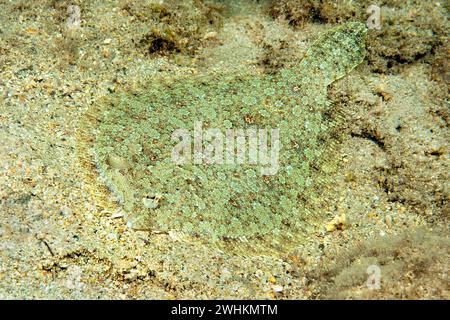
174	26
269	204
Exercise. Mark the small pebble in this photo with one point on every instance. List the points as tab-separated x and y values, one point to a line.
117	215
277	288
150	203
112	236
388	221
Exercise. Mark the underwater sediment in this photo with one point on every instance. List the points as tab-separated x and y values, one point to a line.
372	180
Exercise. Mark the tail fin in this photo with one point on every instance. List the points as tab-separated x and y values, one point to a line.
335	54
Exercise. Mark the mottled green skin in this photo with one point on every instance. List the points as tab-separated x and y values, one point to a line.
133	146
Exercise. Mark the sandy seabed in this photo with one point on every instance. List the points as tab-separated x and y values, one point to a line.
62	236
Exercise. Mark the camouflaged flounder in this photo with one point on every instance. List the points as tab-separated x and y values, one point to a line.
132	147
